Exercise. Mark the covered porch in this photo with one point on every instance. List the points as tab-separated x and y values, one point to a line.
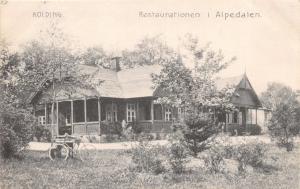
94	116
241	121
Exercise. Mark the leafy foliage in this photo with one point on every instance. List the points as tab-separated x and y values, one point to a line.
214	161
251	154
198	132
177	153
283	125
15	131
15	119
149	51
96	56
147	158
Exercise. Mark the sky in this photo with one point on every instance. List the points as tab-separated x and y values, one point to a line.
267	46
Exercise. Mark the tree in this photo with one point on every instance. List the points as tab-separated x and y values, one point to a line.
282	101
96	56
15	120
52	62
191	87
149	51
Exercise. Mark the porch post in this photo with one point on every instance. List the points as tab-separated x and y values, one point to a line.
57	126
99	115
256	116
225	129
163	113
85	115
137	110
112	111
152	111
72	116
251	116
46	113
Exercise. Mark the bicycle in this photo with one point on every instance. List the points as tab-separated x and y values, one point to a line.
62	147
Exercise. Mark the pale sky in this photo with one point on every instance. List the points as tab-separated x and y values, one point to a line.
268	47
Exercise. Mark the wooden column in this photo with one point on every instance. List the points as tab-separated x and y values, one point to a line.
85	115
163	113
256	116
251	116
46	113
72	116
99	115
57	126
112	112
137	111
152	112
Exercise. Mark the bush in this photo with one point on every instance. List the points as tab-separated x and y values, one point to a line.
288	144
177	155
214	161
42	133
15	133
235	129
146	158
254	129
197	130
111	128
249	154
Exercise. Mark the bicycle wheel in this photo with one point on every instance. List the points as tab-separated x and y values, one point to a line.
87	151
59	151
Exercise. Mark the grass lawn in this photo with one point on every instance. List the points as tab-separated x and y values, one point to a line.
110	169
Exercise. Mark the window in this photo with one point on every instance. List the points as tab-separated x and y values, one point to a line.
111	112
168	114
114	112
42	120
131	113
108	112
229	119
180	113
235	117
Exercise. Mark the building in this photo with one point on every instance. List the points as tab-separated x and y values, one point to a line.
127	95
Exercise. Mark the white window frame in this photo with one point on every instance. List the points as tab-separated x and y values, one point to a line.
114	112
131	112
108	115
168	114
111	112
42	120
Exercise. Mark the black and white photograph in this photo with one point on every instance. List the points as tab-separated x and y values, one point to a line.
140	94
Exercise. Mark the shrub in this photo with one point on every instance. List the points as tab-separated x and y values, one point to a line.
177	155
254	129
197	130
235	129
111	128
15	133
214	161
249	154
146	158
42	133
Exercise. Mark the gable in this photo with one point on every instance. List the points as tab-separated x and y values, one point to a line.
245	95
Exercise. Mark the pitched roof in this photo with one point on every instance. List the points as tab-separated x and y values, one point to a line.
241	96
137	82
128	83
228	82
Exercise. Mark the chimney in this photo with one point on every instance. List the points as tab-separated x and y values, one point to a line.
115	65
